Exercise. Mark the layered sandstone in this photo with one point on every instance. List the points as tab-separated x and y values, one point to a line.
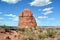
26	19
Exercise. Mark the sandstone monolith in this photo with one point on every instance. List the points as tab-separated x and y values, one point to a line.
26	19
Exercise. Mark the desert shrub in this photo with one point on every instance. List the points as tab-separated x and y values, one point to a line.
20	29
28	38
42	35
57	28
59	37
7	28
40	30
51	33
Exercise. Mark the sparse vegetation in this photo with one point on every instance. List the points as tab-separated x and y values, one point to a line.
35	33
51	33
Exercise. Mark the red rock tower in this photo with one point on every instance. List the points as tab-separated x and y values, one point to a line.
26	19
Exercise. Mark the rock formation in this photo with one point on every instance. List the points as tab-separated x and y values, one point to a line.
26	19
13	35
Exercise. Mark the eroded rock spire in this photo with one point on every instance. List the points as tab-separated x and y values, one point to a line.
26	19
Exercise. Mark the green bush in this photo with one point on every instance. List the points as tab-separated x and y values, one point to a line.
51	33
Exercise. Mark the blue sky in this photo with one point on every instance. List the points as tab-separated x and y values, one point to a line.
46	12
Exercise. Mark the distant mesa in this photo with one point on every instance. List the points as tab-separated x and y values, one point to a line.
26	19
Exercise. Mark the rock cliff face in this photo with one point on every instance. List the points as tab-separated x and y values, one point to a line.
26	19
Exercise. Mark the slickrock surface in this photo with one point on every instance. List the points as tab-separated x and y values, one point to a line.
26	19
9	36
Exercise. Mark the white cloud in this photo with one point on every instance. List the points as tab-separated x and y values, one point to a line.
15	18
48	9
12	17
0	12
48	12
51	18
40	17
1	18
40	2
11	1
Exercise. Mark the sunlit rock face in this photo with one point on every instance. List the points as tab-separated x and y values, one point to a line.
26	19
